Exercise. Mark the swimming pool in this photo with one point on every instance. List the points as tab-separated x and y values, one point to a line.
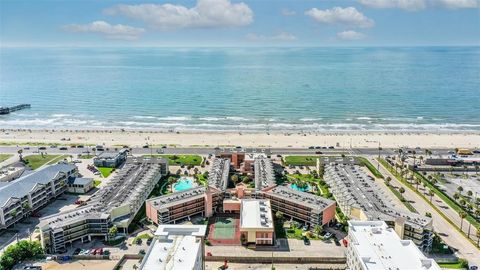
304	189
183	183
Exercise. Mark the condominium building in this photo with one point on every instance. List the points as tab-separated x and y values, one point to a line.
264	174
219	173
110	159
256	222
361	198
11	173
176	247
30	192
79	185
302	206
374	245
178	206
114	205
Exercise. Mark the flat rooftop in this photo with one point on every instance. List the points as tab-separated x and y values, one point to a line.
175	247
303	198
171	199
380	248
256	214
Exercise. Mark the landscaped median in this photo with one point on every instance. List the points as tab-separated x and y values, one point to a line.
181	160
436	191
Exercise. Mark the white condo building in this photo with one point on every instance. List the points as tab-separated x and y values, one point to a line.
372	245
176	247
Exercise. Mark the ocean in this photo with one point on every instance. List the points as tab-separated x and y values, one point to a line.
243	89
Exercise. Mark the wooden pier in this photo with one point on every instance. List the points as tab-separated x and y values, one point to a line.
7	110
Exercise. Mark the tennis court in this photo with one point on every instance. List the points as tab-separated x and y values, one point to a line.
224	228
224	231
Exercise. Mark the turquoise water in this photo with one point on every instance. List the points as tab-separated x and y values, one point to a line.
247	89
183	184
304	189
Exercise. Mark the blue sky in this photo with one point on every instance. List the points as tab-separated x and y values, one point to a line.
240	23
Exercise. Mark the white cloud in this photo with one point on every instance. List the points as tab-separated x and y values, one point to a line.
410	5
338	15
118	31
288	12
456	4
350	35
416	5
205	14
282	36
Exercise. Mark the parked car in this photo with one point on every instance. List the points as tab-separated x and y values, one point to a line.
311	147
306	241
63	148
327	236
42	148
145	146
318	152
149	241
77	251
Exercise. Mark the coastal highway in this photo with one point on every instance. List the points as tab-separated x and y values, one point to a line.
210	150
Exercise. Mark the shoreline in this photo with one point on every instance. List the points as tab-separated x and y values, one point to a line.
347	139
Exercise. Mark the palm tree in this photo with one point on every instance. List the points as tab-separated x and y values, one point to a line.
431	193
401	190
460	189
235	178
462	215
469	193
387	180
456	196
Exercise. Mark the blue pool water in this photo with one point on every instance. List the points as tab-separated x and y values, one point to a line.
232	89
183	184
295	187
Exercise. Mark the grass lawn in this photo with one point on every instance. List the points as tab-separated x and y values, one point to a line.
86	156
201	179
301	160
36	161
370	167
96	183
4	157
105	171
454	265
178	160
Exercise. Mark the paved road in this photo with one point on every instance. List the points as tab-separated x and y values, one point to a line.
449	234
206	151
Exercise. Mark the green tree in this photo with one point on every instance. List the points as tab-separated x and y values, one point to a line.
401	190
18	252
279	215
431	193
460	189
462	215
388	180
234	178
113	231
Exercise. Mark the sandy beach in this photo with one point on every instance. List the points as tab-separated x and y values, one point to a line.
212	139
